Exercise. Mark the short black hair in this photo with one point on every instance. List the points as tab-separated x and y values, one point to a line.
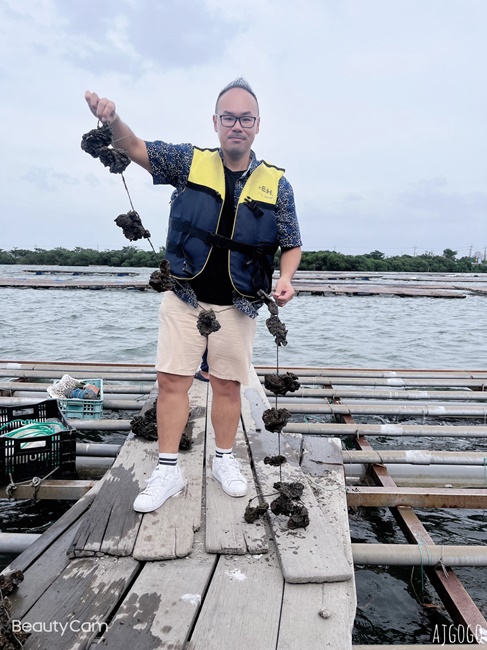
240	82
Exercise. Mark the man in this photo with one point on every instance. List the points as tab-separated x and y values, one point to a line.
229	214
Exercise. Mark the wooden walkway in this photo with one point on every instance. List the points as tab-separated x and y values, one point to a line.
194	575
194	572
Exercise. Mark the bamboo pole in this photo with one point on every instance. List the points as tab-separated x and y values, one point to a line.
477	383
419	410
17	386
394	430
97	449
82	374
415	457
419	555
341	393
92	467
430	476
16	542
316	371
73	365
100	425
107	395
110	404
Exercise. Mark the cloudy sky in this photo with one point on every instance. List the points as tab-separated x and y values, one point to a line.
375	108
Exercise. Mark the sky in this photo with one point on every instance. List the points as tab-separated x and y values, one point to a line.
375	108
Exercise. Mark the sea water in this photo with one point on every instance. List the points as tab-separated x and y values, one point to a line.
395	605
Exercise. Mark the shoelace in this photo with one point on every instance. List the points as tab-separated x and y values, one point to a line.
231	469
152	481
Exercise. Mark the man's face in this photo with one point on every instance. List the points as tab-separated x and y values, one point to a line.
235	140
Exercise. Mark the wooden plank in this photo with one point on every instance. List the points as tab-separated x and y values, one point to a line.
226	529
169	531
326	612
160	609
317	616
81	598
40	575
242	606
306	555
64	489
111	525
417	497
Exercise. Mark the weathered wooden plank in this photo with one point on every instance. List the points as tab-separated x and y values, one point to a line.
326	612
160	609
417	497
81	598
226	529
316	616
112	524
42	573
242	606
169	531
306	555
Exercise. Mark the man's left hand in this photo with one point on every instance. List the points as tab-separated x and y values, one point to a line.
283	292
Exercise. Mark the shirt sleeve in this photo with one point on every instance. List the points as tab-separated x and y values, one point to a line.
288	232
170	163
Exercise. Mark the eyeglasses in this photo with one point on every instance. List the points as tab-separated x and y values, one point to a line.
246	122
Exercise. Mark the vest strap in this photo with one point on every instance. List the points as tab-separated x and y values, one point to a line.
213	239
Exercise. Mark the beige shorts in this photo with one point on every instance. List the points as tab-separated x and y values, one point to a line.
180	346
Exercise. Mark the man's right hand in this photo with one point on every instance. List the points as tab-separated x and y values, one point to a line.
104	109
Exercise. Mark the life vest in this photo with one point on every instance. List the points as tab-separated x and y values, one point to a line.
195	217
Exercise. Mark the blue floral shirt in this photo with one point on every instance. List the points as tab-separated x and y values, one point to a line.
171	164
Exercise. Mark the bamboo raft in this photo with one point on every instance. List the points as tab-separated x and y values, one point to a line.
193	574
316	283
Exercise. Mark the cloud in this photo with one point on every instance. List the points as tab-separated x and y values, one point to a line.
375	110
129	37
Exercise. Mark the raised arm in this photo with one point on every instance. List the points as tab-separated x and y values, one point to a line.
123	137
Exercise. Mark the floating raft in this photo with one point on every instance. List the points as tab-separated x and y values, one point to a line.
305	283
193	574
64	272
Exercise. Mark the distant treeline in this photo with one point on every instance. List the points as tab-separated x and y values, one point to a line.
131	256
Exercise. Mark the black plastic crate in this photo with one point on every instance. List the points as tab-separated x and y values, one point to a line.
57	450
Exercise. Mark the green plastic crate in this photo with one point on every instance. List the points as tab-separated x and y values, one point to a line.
83	409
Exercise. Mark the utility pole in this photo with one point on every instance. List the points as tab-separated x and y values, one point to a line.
470	254
414	251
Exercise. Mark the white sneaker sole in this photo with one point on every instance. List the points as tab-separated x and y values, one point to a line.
172	493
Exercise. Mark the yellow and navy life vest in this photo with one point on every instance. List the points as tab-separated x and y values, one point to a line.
195	217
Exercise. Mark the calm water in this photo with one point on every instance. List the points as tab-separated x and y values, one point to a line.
383	332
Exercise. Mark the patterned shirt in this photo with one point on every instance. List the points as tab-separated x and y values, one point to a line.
171	163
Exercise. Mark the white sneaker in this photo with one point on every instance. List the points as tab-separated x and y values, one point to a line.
227	471
165	482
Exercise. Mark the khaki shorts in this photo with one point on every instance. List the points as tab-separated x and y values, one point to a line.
180	346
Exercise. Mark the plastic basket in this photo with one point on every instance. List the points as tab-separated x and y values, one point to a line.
22	460
84	409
